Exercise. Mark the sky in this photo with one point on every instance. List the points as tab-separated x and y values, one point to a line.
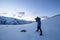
31	8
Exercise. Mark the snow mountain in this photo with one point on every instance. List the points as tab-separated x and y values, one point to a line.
12	21
50	28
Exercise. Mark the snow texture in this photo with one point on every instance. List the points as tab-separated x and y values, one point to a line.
50	28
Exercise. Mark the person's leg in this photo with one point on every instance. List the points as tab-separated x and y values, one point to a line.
40	31
37	29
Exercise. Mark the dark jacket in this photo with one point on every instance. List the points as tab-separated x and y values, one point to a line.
38	20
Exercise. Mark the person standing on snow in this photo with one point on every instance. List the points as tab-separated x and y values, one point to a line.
38	20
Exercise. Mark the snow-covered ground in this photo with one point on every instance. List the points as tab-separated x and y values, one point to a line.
50	28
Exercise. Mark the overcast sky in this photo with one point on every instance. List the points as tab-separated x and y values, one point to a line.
31	8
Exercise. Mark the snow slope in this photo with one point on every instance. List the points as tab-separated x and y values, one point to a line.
12	21
12	32
50	28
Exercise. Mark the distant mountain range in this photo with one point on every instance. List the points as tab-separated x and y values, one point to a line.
12	21
45	17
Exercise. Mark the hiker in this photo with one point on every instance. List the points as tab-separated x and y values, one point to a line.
38	20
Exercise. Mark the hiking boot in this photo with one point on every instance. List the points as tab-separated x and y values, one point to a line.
40	34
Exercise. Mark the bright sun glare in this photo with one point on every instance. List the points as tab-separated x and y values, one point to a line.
19	16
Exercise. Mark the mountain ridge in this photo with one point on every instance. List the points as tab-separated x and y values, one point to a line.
10	20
